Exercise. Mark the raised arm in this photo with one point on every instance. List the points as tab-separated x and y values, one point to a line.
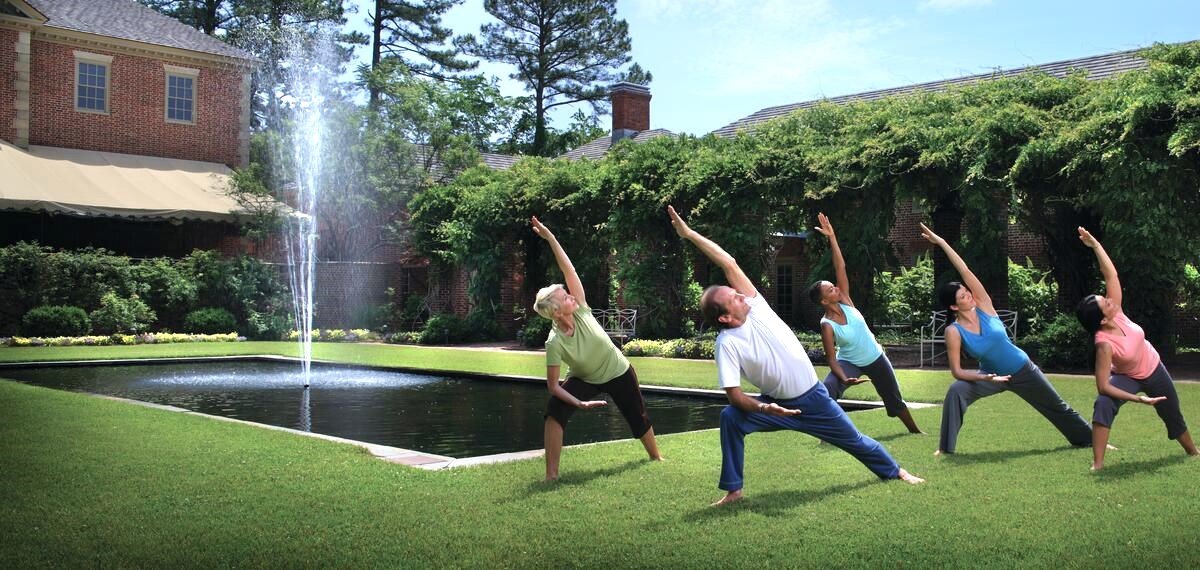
733	274
1112	285
839	265
574	285
982	299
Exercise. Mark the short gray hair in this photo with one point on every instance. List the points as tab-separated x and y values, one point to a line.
545	304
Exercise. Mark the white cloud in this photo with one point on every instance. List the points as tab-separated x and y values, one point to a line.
951	5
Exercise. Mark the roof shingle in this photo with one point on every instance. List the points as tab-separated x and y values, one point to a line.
597	148
129	20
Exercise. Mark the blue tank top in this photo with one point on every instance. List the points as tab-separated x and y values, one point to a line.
991	347
855	343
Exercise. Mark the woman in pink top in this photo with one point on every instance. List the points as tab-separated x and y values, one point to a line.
1125	363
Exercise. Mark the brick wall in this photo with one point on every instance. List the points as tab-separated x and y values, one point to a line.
135	123
8	74
630	111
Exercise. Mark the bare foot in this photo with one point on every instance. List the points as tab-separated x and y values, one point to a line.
917	432
1110	446
551	478
938	453
1096	467
731	497
659	458
910	478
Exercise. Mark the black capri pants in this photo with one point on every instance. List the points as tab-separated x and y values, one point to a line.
623	390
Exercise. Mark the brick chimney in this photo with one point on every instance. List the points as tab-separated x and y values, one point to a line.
630	110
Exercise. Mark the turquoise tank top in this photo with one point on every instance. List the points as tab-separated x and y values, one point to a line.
855	343
991	347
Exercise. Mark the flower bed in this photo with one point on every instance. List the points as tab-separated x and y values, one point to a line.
119	339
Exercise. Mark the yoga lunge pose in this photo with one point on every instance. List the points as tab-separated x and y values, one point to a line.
596	364
1002	366
858	352
756	344
1126	363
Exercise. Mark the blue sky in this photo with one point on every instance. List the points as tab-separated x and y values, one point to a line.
715	61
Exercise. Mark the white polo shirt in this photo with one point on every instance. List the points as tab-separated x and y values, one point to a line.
766	352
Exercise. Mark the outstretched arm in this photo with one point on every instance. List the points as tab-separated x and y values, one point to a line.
1112	285
739	400
574	285
1104	374
954	355
733	274
839	265
561	393
831	357
969	279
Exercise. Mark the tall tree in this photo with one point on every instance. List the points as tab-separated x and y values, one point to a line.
410	32
205	15
565	51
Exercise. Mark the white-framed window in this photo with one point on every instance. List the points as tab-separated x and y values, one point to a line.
92	79
181	94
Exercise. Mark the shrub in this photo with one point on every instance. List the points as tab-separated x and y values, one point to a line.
689	348
168	291
210	320
905	297
480	326
372	317
56	320
1032	293
643	347
403	337
442	329
22	271
121	315
534	333
1063	344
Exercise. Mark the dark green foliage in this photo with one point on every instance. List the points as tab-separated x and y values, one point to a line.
1032	294
55	320
534	333
481	326
370	317
166	289
210	320
1062	345
22	268
443	329
117	315
904	297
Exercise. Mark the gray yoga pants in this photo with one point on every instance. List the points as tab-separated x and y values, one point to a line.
882	377
1157	384
1031	385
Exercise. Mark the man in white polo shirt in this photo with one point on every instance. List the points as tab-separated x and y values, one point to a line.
756	344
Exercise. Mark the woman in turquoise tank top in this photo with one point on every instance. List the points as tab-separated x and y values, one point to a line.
857	353
1002	366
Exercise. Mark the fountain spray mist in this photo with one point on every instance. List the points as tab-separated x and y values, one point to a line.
303	81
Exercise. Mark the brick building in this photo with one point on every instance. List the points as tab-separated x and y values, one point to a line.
119	128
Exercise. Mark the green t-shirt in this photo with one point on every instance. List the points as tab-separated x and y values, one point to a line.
589	352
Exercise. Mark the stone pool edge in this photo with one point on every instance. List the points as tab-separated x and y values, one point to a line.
409	457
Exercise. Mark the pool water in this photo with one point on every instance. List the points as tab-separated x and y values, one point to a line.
441	415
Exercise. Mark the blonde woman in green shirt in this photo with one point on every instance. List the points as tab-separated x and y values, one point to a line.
596	365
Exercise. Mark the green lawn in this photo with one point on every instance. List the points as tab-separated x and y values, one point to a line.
92	482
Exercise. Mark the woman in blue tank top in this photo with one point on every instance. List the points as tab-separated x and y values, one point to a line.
858	353
1002	366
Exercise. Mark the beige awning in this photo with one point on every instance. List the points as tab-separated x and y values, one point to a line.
94	183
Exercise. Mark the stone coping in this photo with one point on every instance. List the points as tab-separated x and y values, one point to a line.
402	456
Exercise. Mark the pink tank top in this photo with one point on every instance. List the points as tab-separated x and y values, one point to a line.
1132	355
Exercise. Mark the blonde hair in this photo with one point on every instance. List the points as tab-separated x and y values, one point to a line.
545	304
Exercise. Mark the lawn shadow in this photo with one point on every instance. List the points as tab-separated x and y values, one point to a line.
776	503
573	478
1001	456
898	435
1111	473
